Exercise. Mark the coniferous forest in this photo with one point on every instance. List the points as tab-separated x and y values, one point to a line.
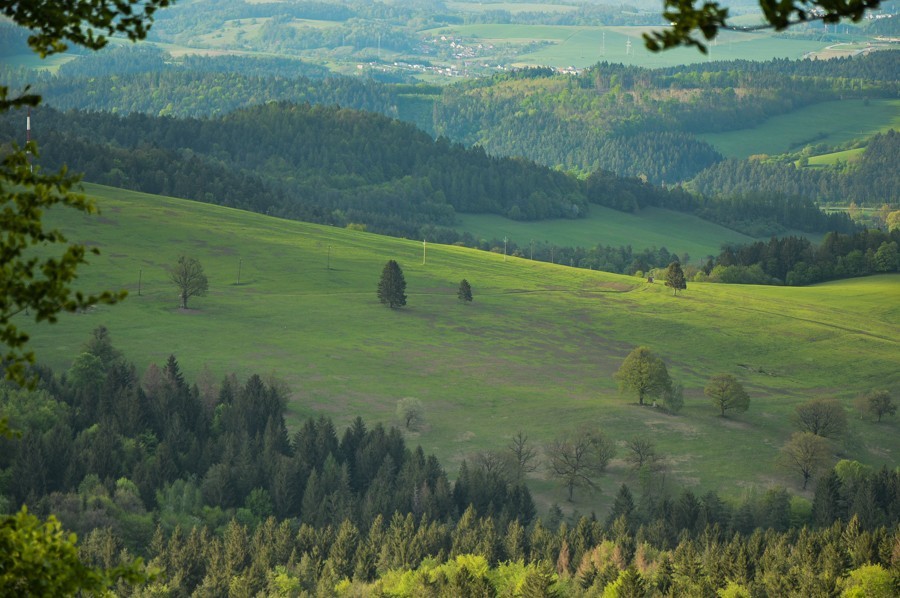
203	480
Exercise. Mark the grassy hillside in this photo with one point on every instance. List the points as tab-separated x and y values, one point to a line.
563	46
651	227
829	122
535	351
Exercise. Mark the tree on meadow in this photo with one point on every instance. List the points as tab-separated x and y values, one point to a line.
806	454
877	404
823	417
577	459
392	286
188	276
727	394
410	412
644	374
675	277
465	291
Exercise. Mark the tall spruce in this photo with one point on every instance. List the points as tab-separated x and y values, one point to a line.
675	277
465	291
392	286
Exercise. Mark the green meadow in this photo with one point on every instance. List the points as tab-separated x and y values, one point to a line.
651	227
831	123
535	351
846	156
583	46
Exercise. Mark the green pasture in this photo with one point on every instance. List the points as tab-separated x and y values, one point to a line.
652	227
535	351
33	61
846	156
828	122
583	46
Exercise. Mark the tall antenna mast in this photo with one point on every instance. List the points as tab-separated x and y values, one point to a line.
28	139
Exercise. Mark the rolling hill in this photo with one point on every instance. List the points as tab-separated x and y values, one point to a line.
535	351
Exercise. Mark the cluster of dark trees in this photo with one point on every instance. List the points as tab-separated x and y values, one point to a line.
797	261
201	454
316	163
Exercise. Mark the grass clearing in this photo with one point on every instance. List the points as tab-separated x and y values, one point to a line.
828	122
584	46
651	227
535	351
846	156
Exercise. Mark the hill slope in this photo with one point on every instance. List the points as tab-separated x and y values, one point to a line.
535	351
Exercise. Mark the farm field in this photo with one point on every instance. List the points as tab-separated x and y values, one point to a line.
535	351
828	122
651	227
851	155
583	46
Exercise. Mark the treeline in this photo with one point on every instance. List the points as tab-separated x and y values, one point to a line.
871	180
796	261
322	164
104	447
408	557
147	80
338	166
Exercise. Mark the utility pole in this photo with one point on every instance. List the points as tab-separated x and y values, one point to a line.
423	252
532	250
504	248
328	263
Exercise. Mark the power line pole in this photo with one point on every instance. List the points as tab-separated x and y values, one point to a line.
504	248
423	252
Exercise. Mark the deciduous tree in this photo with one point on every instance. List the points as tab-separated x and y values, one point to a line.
392	286
578	458
877	404
727	394
188	276
822	417
641	452
410	412
806	454
644	374
523	456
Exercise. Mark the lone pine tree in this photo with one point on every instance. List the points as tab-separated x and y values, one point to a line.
392	286
675	277
465	291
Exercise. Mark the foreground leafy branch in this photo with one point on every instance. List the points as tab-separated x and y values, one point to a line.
37	558
687	21
31	284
